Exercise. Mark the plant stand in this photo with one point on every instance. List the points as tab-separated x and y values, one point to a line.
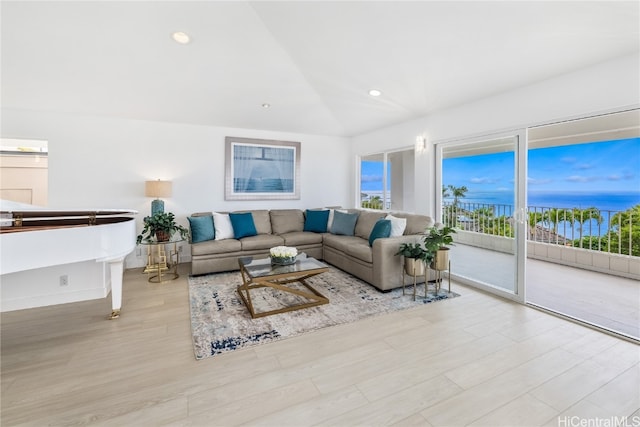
437	282
162	264
415	268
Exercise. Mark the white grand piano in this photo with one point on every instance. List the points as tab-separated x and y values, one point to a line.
40	240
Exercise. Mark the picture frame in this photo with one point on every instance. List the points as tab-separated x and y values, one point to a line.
261	169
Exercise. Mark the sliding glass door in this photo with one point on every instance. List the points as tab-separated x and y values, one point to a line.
483	197
584	201
562	203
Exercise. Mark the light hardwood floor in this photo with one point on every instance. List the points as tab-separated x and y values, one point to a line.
472	360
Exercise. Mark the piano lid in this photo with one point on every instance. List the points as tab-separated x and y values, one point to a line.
21	217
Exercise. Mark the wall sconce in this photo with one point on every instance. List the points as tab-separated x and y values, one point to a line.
421	144
157	189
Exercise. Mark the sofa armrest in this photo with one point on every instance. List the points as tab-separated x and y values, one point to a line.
387	266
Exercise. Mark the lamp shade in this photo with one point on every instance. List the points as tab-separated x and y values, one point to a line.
157	188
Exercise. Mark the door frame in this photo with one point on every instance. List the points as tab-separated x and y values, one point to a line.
520	198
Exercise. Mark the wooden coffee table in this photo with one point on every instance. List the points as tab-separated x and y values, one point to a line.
259	273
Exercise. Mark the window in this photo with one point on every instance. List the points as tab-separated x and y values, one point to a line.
387	180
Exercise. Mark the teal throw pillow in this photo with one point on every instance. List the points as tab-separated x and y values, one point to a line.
243	225
316	221
201	228
344	223
381	229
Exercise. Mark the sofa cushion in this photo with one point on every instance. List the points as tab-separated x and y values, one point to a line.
243	225
361	250
344	223
316	221
366	221
211	247
351	245
397	225
222	226
201	228
416	224
261	241
286	220
261	220
301	238
382	229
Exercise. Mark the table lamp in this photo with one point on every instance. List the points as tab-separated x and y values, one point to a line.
157	189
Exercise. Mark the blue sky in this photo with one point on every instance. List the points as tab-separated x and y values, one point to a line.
612	166
595	167
371	176
604	166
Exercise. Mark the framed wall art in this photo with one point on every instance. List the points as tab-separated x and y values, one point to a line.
261	169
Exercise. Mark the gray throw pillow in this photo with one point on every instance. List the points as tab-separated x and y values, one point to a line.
344	223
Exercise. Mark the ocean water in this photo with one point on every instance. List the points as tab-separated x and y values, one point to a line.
614	202
608	204
602	201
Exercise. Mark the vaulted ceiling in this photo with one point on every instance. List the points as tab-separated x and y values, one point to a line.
313	62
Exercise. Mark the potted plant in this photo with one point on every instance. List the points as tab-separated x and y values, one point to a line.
415	257
162	226
435	243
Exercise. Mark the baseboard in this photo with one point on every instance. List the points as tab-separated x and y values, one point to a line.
52	299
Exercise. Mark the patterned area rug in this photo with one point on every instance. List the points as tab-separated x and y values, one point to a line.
220	322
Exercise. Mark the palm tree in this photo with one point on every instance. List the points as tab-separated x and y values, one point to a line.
554	217
449	213
624	235
483	218
581	216
457	192
534	219
445	192
375	202
500	226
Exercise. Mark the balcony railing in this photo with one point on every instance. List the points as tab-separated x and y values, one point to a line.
593	229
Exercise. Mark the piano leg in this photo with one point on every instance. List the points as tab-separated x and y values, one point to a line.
117	270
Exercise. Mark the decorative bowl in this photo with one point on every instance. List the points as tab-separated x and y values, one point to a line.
283	255
283	260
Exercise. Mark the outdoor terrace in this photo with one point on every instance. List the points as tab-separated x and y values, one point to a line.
574	265
607	301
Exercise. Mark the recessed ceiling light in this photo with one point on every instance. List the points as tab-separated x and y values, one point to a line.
375	92
266	105
180	37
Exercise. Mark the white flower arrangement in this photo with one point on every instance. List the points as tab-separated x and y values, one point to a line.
283	252
283	255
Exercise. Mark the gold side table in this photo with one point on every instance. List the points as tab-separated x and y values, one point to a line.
162	260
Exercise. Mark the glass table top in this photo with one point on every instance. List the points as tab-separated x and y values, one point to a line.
262	267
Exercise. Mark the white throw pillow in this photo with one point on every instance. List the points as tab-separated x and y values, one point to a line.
223	226
397	225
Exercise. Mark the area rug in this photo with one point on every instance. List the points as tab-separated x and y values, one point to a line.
220	322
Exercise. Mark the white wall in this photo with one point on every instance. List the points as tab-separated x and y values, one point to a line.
604	87
99	162
41	287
